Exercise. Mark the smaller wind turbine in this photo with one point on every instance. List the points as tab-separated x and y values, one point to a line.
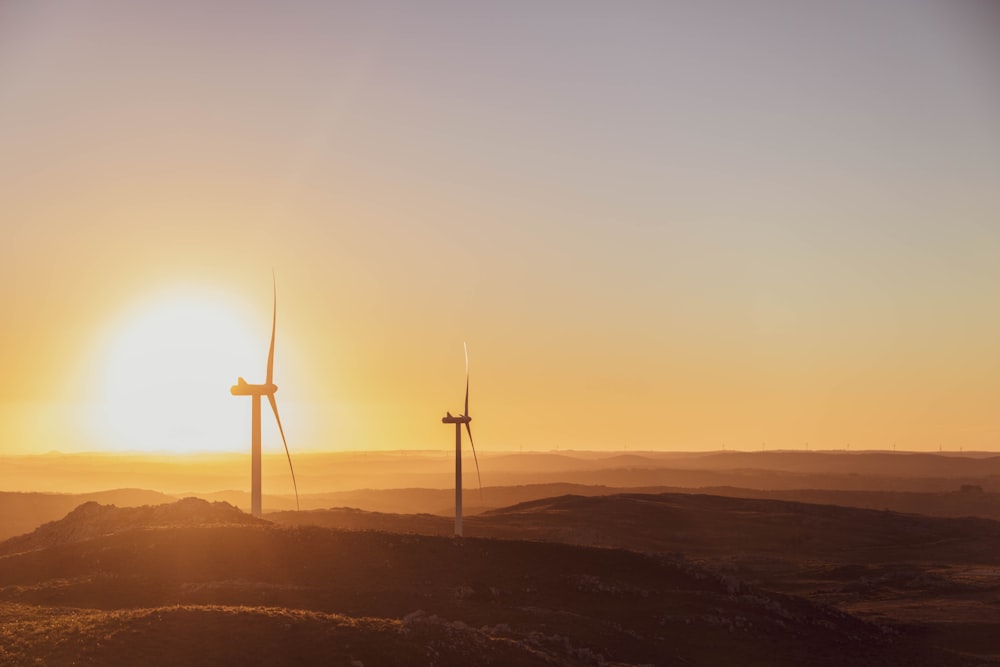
463	418
242	388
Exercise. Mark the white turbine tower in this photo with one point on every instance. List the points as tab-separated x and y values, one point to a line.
241	388
463	418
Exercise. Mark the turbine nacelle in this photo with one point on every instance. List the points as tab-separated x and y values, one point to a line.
460	419
243	388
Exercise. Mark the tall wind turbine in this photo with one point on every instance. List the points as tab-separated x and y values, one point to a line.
463	418
255	391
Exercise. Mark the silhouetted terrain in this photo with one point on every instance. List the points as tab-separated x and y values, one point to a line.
941	574
972	501
641	566
92	520
23	512
712	525
952	503
107	585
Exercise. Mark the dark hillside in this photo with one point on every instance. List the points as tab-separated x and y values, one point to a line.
407	594
711	525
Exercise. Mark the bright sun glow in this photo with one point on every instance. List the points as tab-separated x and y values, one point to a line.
167	376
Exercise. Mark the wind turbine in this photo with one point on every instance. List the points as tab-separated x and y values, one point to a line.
242	388
463	418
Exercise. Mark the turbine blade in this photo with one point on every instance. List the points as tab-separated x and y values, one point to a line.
476	459
466	413
274	321
274	407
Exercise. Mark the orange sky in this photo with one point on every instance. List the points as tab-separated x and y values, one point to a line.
657	227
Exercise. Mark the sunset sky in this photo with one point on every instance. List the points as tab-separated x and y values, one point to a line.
659	225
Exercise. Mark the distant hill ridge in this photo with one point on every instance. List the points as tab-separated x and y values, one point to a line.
709	524
92	519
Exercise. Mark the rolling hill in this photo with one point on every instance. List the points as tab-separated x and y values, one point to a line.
105	585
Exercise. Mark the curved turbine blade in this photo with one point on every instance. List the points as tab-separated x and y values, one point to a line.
274	321
476	459
466	413
274	407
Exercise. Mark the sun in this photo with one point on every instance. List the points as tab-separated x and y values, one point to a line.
167	370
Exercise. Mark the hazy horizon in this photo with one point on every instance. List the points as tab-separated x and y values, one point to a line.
322	473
